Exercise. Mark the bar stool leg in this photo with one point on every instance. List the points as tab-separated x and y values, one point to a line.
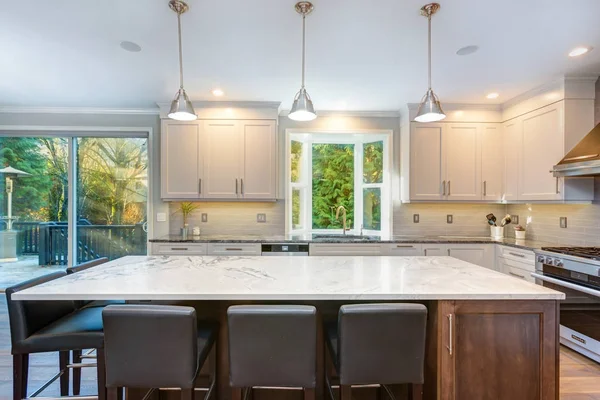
345	392
63	357
20	373
101	370
76	373
112	393
187	394
309	394
415	391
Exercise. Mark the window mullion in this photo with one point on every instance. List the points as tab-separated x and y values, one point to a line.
72	207
358	189
307	179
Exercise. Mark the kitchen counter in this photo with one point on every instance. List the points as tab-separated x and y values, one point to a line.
523	244
287	278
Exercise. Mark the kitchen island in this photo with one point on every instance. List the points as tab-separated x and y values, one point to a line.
489	335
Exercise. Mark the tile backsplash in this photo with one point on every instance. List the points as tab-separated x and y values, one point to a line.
467	219
232	218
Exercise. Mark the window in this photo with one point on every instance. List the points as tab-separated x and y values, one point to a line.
329	170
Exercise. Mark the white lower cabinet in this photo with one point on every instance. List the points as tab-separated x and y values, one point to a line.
478	254
179	249
434	249
346	249
234	249
404	249
519	263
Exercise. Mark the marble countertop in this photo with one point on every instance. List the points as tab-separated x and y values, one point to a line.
524	244
287	279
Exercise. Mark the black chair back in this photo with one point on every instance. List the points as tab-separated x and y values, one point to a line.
150	346
85	265
27	317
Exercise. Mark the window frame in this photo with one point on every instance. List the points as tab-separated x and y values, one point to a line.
361	136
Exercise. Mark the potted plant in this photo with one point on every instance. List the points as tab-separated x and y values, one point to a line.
186	208
519	232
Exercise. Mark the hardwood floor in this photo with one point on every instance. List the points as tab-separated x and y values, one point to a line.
579	376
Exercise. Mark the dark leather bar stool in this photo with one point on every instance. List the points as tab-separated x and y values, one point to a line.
381	344
155	346
48	326
272	346
77	356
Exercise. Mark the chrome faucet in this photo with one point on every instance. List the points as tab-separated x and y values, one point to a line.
337	216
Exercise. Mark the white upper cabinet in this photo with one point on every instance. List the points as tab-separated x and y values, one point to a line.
426	162
259	148
542	146
181	164
461	161
511	152
492	162
219	159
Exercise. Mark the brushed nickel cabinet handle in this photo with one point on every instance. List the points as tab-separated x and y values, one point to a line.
200	186
557	190
485	188
516	254
450	328
236	186
400	246
233	249
443	188
448	188
517	275
242	185
179	248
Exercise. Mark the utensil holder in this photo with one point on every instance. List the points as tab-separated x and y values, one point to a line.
520	234
497	232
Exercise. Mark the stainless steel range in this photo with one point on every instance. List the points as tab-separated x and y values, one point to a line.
574	271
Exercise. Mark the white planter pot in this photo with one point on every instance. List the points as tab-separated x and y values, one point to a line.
497	232
520	234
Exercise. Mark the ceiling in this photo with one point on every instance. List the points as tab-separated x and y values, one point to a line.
65	53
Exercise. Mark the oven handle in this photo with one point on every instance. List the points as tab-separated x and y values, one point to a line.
568	285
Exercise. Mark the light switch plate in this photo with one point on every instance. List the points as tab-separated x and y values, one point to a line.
204	217
416	218
449	218
515	219
563	222
161	217
261	218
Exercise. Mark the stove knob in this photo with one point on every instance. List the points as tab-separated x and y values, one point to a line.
541	259
549	261
558	263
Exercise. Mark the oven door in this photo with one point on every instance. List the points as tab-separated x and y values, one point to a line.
579	314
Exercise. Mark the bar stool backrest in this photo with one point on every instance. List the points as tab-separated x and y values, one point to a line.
149	346
381	343
27	317
86	265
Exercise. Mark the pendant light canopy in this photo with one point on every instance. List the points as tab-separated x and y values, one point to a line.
303	109
430	109
181	106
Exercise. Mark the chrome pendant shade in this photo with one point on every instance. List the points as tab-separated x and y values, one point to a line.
303	108
430	109
181	106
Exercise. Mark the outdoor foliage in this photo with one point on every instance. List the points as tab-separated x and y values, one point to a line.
112	179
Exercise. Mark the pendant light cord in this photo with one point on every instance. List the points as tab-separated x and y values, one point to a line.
429	48
303	46
180	51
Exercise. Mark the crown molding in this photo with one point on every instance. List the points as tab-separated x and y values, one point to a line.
461	106
356	114
226	104
78	110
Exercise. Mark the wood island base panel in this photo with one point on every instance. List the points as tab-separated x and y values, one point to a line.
489	336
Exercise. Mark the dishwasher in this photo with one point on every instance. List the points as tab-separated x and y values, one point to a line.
284	249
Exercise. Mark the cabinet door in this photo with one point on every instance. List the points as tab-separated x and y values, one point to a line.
512	150
501	350
404	249
478	254
259	148
492	162
426	162
222	159
542	147
180	165
461	161
435	250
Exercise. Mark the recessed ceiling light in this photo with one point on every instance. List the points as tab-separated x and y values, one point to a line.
579	51
493	95
217	92
130	46
464	51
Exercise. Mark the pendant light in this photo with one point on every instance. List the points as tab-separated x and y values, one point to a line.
430	109
181	106
303	109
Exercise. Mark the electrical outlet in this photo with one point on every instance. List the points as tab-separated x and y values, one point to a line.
515	219
449	218
161	217
204	217
563	222
261	217
416	218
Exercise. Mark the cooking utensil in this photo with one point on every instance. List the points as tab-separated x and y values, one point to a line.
491	223
506	220
491	216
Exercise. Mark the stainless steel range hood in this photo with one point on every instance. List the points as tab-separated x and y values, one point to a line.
583	159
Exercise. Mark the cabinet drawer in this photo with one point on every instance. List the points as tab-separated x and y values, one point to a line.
520	273
346	249
179	249
510	263
234	249
525	256
404	249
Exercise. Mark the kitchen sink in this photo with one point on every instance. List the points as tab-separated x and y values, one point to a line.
463	237
344	237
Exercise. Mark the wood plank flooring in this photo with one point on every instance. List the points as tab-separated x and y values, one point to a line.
579	380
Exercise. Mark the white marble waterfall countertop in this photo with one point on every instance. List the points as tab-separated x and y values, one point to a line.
287	278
